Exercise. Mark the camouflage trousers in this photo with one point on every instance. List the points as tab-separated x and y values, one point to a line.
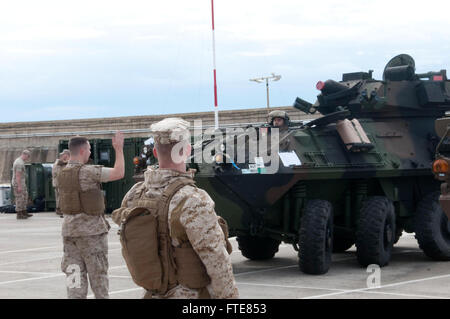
86	256
57	208
21	199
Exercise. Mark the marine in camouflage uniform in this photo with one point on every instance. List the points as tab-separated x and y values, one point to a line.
85	236
280	119
19	185
194	210
59	164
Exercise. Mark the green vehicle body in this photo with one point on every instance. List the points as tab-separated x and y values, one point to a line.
365	192
41	193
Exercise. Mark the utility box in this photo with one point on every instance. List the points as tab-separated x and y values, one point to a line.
5	194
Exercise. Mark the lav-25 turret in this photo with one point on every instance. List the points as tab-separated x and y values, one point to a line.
360	174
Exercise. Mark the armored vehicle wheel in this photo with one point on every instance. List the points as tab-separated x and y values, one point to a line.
375	235
432	228
316	237
257	248
341	244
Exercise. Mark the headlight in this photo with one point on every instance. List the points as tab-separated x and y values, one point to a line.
440	166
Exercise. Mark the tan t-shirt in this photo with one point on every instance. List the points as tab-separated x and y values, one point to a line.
91	176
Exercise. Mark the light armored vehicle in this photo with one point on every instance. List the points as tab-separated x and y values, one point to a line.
359	174
441	165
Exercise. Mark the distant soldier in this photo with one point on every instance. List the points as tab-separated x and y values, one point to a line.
19	185
196	263
85	228
280	119
59	164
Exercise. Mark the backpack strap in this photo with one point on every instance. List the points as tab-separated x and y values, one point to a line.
170	279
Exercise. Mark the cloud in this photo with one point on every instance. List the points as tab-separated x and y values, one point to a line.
107	52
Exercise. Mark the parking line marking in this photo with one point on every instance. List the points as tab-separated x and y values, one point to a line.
403	295
29	249
27	272
29	279
30	260
383	286
119	291
286	286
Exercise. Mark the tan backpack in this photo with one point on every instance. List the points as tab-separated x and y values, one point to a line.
147	249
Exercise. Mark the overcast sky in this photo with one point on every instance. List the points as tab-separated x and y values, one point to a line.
86	59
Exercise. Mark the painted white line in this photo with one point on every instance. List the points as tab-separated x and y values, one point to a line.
286	286
119	291
383	286
29	249
263	270
26	272
30	279
341	290
124	277
31	260
28	230
403	295
117	267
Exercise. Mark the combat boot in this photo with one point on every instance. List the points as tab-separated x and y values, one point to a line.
21	215
27	214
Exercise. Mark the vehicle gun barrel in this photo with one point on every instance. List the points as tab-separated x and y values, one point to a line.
304	106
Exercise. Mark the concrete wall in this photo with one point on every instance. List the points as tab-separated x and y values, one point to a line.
42	138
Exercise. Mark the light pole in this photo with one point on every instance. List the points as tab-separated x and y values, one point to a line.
273	77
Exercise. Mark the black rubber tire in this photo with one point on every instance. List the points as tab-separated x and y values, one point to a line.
341	244
432	228
316	237
375	234
258	248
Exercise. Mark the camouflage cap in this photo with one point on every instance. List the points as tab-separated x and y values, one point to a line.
277	113
65	151
170	130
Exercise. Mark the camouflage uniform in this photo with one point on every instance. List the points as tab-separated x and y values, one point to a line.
197	217
57	166
21	199
284	134
85	241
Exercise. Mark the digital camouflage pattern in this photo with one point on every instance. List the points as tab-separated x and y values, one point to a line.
19	166
57	166
82	224
85	239
170	130
89	254
200	223
20	198
342	180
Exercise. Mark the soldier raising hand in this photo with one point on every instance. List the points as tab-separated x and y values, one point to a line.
85	228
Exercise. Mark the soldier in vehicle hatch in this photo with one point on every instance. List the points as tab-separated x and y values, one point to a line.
280	119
